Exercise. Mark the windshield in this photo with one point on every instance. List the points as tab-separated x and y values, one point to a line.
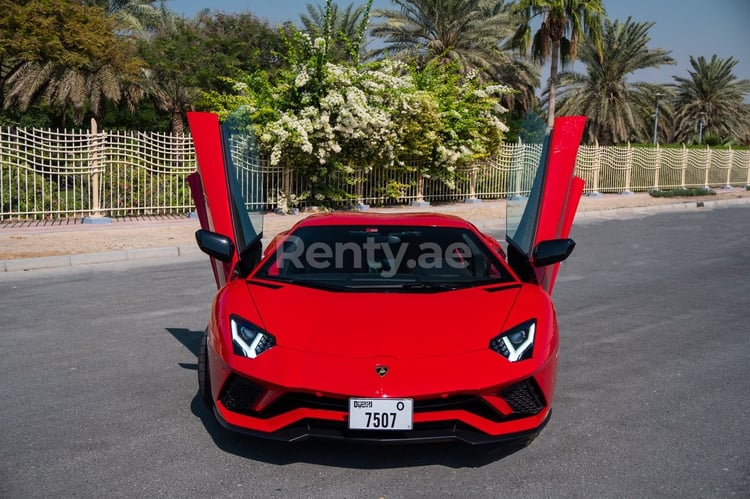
384	257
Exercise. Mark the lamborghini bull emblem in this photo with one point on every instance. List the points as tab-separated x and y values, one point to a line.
381	370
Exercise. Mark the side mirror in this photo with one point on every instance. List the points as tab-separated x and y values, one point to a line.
215	245
552	251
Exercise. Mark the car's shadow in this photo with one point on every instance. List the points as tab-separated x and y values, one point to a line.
190	339
331	453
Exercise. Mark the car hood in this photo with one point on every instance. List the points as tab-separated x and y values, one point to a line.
396	325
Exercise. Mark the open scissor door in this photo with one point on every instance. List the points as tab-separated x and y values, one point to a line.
227	188
539	219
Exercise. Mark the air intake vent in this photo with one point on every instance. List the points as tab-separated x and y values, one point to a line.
240	394
524	398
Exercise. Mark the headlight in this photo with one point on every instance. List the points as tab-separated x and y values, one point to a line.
249	340
516	344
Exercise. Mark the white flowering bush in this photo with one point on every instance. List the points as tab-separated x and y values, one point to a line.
343	122
335	123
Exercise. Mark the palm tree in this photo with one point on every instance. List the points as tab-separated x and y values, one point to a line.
171	76
470	32
346	26
713	94
465	31
132	16
617	109
564	24
99	68
78	90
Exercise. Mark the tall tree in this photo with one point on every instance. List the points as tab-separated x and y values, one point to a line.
132	16
617	110
232	43
714	95
346	26
171	75
470	33
465	31
189	57
564	25
68	55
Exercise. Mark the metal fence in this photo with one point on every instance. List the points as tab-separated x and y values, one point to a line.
74	173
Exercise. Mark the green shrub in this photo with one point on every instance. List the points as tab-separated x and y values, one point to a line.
682	192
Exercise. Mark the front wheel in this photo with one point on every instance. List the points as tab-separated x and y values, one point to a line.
204	380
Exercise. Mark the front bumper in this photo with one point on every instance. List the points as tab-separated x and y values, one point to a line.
512	411
422	433
514	415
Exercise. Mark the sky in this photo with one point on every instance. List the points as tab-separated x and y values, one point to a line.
685	27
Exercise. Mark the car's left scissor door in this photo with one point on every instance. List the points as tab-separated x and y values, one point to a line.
227	188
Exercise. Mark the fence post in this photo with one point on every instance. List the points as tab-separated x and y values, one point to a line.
597	169
683	166
519	154
473	185
708	167
360	205
95	162
629	170
94	165
419	198
658	168
287	180
728	185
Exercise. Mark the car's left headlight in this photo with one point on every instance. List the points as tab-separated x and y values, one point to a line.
249	340
517	343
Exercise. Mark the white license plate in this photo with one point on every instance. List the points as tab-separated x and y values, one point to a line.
380	414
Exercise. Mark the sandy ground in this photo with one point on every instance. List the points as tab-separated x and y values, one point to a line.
32	239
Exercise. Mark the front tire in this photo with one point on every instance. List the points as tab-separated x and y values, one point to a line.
204	379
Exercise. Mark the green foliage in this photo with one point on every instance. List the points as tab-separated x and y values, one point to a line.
671	193
233	45
394	189
713	94
58	31
532	129
564	24
468	127
691	146
333	122
344	29
26	192
135	191
65	54
617	109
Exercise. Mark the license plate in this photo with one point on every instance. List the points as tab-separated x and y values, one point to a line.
380	414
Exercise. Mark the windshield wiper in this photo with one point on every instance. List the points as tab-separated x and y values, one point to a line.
432	285
304	282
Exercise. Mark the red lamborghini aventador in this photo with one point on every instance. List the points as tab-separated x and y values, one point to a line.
379	327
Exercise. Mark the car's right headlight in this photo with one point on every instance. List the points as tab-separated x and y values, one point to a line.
517	343
249	340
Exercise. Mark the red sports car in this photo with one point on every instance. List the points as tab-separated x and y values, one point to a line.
380	327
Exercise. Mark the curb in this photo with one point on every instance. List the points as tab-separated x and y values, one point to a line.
616	213
49	262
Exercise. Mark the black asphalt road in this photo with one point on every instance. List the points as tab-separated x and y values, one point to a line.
98	384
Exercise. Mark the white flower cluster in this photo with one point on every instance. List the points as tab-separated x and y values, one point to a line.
350	122
302	78
365	115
